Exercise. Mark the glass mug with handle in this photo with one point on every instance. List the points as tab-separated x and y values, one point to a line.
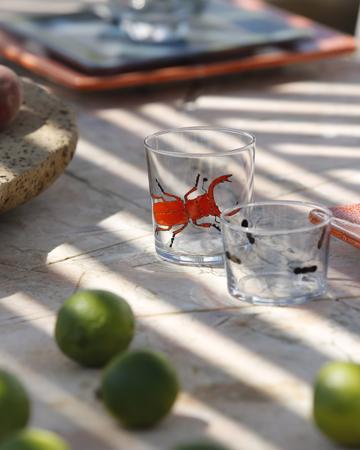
276	252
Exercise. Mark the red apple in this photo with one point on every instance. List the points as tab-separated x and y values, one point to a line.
10	96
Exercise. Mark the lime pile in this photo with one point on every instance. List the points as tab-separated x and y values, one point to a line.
336	406
139	387
95	328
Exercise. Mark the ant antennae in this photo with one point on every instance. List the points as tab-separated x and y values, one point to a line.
161	188
172	240
204	181
197	180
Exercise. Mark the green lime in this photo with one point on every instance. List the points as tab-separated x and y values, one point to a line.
14	405
139	388
200	445
337	402
32	439
93	326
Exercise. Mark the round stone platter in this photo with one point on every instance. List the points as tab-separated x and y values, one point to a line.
36	147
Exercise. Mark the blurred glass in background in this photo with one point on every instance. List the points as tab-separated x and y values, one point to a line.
156	21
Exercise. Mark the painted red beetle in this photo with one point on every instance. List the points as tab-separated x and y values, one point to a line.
170	213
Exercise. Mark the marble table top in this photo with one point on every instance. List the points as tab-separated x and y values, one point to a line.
246	371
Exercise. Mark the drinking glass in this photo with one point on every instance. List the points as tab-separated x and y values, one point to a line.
157	21
194	174
276	252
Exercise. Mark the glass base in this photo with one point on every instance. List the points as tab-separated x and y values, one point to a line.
190	260
277	289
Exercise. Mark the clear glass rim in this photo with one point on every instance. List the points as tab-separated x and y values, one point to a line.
256	231
351	229
235	131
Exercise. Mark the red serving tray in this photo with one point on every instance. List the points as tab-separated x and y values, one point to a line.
326	43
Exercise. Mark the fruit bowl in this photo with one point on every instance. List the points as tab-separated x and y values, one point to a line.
36	147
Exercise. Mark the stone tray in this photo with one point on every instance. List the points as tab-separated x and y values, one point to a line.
36	147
